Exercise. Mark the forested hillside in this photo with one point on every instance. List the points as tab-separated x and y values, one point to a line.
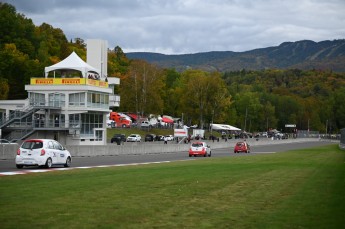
305	55
253	100
311	99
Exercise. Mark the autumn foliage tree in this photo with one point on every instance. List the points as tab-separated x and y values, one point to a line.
203	97
142	89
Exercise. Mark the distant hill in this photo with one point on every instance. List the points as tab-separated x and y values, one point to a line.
304	55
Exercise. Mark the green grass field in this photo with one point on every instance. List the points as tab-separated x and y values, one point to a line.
295	189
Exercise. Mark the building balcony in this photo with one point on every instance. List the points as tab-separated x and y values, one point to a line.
114	101
68	81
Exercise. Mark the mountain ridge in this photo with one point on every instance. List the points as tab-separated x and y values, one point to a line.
304	54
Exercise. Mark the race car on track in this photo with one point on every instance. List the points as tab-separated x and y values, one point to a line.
199	149
242	147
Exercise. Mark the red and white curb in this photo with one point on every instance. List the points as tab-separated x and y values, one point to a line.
22	172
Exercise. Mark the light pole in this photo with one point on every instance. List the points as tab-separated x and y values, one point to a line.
308	125
182	120
245	120
212	121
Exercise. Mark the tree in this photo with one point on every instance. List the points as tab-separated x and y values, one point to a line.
53	43
4	89
142	89
13	68
339	108
172	93
219	99
195	86
268	118
248	107
203	97
118	63
16	29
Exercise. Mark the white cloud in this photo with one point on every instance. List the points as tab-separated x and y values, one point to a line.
190	26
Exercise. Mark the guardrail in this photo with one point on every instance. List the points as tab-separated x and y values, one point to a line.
8	151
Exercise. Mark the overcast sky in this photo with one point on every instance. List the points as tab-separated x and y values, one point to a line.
190	26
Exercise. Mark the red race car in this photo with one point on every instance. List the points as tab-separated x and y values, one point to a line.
242	147
199	149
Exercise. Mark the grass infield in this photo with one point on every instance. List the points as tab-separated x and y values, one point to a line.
295	189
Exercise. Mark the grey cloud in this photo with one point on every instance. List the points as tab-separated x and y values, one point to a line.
189	26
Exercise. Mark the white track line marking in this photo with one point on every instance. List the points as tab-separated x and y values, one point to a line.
82	167
265	152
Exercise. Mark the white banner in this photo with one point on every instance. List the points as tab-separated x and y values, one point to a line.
180	133
290	125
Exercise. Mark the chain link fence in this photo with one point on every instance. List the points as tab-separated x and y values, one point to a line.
307	134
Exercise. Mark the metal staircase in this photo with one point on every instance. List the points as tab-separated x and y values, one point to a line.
17	115
19	123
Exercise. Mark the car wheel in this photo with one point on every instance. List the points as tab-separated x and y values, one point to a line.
68	162
124	126
190	155
19	166
49	163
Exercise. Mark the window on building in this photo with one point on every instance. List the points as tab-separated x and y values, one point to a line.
36	99
99	135
56	99
97	100
90	121
77	99
74	120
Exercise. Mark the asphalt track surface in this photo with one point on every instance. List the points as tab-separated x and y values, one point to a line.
9	165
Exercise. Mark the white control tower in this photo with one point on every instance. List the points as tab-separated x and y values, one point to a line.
97	55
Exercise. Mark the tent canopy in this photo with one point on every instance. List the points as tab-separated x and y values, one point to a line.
167	120
223	127
73	62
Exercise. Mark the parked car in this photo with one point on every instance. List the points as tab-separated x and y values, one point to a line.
118	138
42	152
213	138
279	135
150	137
200	149
169	137
110	123
145	124
264	134
134	138
242	147
159	138
245	135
